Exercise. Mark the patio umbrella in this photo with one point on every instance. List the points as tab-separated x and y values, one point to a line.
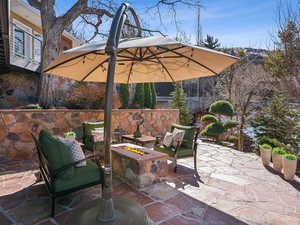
135	60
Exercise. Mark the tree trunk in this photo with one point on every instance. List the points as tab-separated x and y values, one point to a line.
51	49
241	134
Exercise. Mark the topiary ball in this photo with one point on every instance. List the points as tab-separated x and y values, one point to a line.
213	129
229	124
209	119
221	107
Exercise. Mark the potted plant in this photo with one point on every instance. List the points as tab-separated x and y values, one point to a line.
265	153
289	166
277	158
70	135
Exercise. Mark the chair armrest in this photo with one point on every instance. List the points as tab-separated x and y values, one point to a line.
65	167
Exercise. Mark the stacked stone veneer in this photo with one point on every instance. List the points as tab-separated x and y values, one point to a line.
16	125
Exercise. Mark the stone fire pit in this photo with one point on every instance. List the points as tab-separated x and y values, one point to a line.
138	170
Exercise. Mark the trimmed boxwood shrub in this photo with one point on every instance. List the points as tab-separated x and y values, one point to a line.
229	124
213	129
290	156
279	151
266	146
209	119
222	107
232	138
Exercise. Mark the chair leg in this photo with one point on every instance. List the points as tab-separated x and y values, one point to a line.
53	206
175	164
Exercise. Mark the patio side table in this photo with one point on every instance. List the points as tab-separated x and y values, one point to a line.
143	141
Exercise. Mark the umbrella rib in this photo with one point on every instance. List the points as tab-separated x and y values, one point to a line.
96	67
131	66
184	56
159	53
75	57
163	66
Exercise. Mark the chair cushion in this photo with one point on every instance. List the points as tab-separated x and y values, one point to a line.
57	153
82	176
181	153
168	139
170	151
87	134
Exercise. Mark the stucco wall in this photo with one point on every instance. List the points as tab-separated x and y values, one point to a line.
16	125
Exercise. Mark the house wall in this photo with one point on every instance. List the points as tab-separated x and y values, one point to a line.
18	89
16	125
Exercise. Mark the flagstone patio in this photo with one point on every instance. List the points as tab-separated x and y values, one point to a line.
232	188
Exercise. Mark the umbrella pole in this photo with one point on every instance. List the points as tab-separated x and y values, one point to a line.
109	211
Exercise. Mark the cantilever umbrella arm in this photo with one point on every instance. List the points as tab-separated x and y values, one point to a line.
111	49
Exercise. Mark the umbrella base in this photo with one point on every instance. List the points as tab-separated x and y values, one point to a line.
127	212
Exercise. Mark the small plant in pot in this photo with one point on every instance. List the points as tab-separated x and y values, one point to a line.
289	166
70	135
265	153
277	158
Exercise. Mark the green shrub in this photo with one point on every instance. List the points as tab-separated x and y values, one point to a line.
229	124
71	133
270	141
124	95
209	118
139	97
279	151
290	156
153	95
148	95
213	129
222	107
232	138
179	101
266	146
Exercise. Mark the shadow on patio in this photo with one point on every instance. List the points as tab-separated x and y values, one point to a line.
232	188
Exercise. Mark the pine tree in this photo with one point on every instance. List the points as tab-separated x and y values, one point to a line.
148	95
124	95
211	42
278	123
153	95
179	102
139	97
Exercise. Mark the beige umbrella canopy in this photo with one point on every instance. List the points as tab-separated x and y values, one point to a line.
140	60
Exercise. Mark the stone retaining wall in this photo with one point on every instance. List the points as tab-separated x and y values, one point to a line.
16	125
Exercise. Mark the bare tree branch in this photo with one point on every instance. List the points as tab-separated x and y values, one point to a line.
35	4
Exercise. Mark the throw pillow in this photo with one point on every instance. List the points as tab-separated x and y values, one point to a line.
177	136
77	154
98	134
168	139
75	149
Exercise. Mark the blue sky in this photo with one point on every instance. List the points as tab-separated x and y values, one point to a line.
236	23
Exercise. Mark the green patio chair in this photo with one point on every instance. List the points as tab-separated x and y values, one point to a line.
87	136
187	148
58	170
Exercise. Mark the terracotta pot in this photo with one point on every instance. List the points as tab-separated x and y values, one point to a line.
289	168
277	162
265	156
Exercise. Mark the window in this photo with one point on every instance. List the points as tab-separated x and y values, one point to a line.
19	42
22	43
37	47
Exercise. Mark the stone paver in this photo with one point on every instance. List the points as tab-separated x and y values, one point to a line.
231	188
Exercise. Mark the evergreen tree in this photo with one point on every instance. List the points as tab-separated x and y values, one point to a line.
153	95
148	95
124	95
278	123
179	102
139	97
211	42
